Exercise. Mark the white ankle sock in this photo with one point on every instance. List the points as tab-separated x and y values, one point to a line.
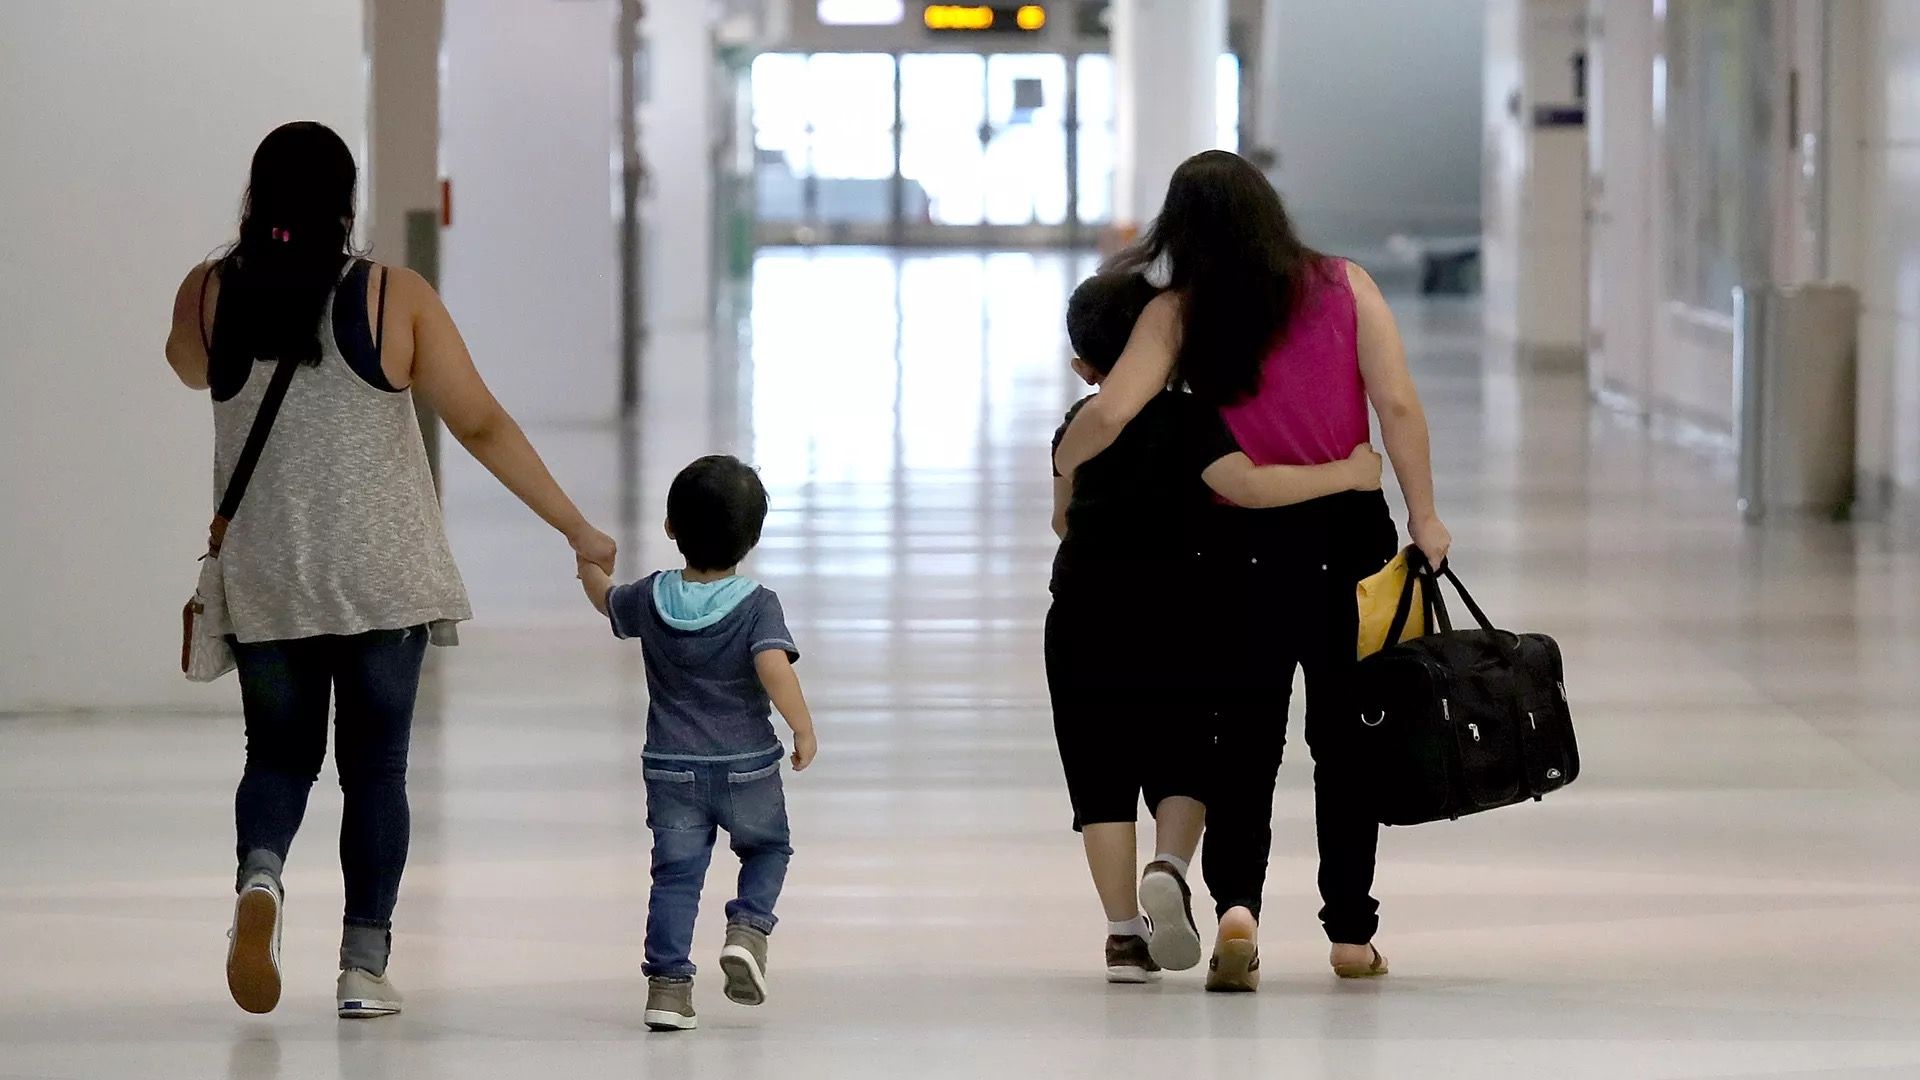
1174	861
1134	927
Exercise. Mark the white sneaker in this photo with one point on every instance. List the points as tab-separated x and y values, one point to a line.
363	995
253	949
1168	904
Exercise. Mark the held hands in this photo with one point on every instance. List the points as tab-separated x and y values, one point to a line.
593	546
1366	468
804	747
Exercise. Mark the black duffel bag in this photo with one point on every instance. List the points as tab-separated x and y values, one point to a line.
1460	721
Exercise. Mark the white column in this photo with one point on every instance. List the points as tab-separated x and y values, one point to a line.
678	132
1534	234
1622	149
141	118
1165	54
402	165
529	264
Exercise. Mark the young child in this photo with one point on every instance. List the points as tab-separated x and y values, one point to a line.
1126	658
717	654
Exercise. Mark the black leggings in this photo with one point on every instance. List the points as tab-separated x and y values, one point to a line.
372	679
1291	603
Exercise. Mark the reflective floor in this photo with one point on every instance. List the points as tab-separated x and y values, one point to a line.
1732	889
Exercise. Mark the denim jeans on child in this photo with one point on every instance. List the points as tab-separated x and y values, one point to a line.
686	802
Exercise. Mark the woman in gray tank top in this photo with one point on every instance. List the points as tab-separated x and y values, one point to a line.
336	566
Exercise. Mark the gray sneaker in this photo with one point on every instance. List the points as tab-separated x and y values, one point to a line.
744	961
253	949
363	995
670	1005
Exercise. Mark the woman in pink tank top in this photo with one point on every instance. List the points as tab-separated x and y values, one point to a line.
1291	346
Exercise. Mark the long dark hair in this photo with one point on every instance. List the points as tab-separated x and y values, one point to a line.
1230	249
294	226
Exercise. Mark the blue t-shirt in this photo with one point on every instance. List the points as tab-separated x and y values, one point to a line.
707	703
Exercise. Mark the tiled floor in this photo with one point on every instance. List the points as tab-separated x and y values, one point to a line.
1732	890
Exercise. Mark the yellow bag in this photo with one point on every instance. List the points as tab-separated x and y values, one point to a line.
1379	596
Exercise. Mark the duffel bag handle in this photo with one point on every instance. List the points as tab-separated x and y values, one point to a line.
1430	601
1446	571
1404	609
1437	604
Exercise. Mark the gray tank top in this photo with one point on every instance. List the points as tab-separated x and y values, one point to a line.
340	530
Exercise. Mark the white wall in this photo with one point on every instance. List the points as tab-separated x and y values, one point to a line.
1377	117
1166	96
128	126
1875	221
678	130
1534	233
1622	265
529	266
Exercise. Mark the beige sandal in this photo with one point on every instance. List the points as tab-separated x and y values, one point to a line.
1235	968
1372	970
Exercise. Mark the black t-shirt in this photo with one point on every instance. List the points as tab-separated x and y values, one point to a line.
1136	506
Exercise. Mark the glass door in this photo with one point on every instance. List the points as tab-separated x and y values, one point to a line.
1002	149
1026	140
983	148
823	146
943	110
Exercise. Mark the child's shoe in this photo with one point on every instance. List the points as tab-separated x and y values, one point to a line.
1168	902
670	1004
362	995
744	961
1129	960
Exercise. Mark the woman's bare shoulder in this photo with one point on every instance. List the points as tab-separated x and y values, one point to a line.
1357	276
193	300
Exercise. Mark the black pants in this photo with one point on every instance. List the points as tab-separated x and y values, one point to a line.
1287	578
1127	714
285	686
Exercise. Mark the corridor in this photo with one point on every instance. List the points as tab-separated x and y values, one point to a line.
1731	890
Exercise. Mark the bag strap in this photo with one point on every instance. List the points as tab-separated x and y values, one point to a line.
1479	616
1502	641
1439	620
250	454
1404	609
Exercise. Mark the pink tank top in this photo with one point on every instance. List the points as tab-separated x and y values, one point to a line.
1311	407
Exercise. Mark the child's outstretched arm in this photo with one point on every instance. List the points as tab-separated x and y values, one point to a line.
783	686
1237	479
597	583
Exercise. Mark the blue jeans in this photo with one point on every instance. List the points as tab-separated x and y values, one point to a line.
686	802
371	681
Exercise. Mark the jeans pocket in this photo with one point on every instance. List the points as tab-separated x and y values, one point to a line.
757	802
673	799
756	774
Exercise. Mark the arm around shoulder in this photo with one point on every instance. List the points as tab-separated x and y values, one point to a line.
1139	376
1238	480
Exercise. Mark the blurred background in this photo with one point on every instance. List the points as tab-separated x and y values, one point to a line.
1658	265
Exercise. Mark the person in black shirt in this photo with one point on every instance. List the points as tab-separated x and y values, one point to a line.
1126	656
